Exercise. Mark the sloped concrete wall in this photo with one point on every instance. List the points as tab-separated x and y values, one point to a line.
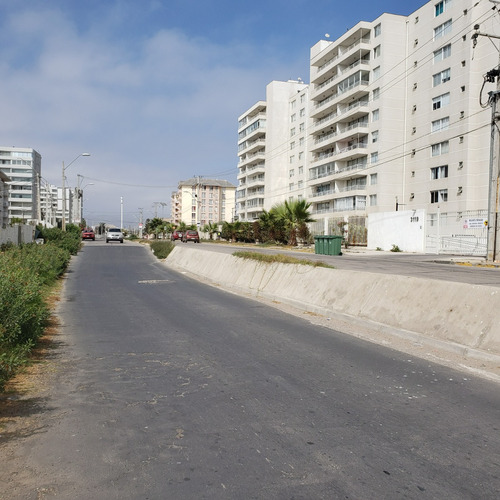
467	315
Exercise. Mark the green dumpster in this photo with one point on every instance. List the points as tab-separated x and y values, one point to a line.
328	245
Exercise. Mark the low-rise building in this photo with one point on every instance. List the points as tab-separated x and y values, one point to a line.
199	201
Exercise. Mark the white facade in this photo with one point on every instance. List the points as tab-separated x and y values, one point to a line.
268	149
394	120
199	201
48	205
23	166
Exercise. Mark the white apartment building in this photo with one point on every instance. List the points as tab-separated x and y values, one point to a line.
199	201
23	166
395	120
4	199
48	205
269	134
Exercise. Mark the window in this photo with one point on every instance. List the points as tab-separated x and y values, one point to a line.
442	53
301	127
373	200
302	112
293	104
301	170
374	157
376	94
440	148
376	73
439	195
376	52
439	172
292	145
442	29
375	136
302	98
292	132
292	159
293	118
441	124
291	173
375	115
301	155
373	179
441	7
441	77
377	30
441	101
301	141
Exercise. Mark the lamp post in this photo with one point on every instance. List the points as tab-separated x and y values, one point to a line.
63	221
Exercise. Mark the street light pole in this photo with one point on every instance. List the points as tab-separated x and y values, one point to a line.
63	206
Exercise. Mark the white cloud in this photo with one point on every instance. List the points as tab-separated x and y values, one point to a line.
153	110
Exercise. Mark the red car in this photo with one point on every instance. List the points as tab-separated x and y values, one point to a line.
191	236
88	234
176	235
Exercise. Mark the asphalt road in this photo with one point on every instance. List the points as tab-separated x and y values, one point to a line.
171	389
426	266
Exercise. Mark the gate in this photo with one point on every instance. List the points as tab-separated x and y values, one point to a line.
457	233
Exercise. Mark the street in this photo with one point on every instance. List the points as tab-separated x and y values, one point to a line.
171	389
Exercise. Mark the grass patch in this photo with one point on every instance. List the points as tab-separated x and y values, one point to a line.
161	248
280	259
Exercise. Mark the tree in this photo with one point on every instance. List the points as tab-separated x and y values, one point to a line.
211	228
295	215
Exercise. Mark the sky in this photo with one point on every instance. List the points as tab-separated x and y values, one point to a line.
152	89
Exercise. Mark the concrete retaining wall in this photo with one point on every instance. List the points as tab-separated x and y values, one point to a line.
467	315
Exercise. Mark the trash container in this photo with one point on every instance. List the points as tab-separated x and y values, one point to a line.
328	245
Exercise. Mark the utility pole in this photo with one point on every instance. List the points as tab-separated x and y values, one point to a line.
140	223
492	248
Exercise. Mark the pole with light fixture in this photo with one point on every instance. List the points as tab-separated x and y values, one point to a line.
63	220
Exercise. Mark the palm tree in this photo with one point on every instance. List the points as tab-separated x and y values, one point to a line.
295	214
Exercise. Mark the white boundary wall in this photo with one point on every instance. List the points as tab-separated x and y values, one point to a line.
17	234
406	229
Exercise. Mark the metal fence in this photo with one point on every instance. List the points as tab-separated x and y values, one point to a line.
357	232
458	233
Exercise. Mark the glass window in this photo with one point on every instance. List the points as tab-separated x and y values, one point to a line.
441	77
441	7
441	124
377	30
442	53
440	172
376	73
376	52
375	115
442	29
441	101
440	148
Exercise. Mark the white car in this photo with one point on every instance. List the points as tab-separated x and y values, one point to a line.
114	234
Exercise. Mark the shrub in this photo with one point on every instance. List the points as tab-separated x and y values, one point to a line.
395	248
161	248
280	259
70	240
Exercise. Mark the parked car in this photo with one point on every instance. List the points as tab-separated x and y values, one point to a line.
114	234
176	235
88	234
191	235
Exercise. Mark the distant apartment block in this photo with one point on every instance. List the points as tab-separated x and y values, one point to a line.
391	120
22	166
199	201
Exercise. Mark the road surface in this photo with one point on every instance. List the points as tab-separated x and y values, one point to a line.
170	389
